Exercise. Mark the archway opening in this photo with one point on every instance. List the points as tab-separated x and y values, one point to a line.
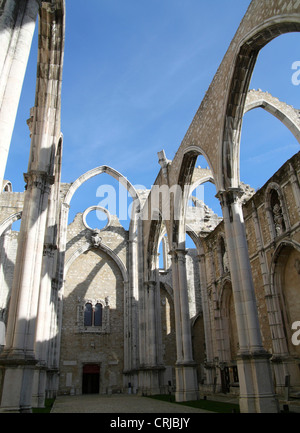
105	191
266	145
243	72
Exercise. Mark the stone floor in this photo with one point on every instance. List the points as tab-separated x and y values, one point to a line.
124	403
116	403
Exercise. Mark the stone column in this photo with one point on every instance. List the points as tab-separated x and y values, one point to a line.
209	362
256	385
18	358
46	298
17	25
186	374
20	337
153	366
280	350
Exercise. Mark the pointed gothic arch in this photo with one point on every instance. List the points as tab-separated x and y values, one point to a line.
95	172
86	247
288	115
243	67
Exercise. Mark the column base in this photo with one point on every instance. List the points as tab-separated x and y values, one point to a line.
257	393
16	384
16	389
186	382
150	380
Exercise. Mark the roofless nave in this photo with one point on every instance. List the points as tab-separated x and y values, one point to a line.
92	311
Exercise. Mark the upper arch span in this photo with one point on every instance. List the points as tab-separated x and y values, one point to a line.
95	172
287	114
216	127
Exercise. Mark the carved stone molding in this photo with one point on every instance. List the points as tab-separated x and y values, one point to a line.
38	179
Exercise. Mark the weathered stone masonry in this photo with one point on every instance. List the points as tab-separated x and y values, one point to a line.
85	310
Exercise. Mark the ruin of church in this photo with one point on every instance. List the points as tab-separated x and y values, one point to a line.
114	310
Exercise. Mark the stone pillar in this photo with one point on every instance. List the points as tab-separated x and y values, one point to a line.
280	349
17	25
153	366
18	356
256	385
186	374
18	359
209	362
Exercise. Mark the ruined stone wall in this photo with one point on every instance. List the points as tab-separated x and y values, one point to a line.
267	247
95	277
10	203
274	257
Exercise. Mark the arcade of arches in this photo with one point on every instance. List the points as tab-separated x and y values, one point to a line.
115	310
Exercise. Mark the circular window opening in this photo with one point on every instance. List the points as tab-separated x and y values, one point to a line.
96	217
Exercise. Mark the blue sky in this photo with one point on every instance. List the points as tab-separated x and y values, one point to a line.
135	73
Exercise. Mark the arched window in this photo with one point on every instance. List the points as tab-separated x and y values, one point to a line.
88	314
98	314
93	314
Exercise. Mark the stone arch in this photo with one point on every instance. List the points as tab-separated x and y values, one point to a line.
284	278
163	241
134	225
7	186
185	180
95	172
153	245
86	247
9	221
287	114
195	238
101	280
244	63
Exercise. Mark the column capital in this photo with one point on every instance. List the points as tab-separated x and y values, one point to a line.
229	196
201	257
48	6
38	179
178	254
150	284
181	251
49	250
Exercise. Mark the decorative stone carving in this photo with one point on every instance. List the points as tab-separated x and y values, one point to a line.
278	219
38	179
96	239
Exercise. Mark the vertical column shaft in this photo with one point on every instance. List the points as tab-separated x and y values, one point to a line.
184	306
17	26
256	385
18	356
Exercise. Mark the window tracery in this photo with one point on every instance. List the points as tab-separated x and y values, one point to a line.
93	316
